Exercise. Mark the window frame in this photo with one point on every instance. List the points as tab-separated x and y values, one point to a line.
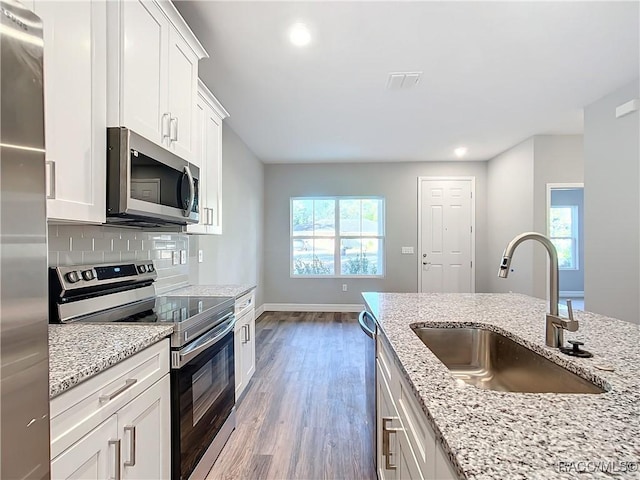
337	237
575	236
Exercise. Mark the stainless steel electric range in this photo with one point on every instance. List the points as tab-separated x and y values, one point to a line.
202	356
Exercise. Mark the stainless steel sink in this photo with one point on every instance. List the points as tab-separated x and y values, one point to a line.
492	361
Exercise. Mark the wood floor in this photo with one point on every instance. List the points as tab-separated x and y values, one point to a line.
303	414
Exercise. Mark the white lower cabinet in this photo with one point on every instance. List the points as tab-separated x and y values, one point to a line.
406	444
244	342
92	457
116	424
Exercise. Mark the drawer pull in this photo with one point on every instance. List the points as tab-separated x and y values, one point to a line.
386	450
132	446
130	382
117	471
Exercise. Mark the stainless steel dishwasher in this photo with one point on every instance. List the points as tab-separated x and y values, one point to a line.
368	326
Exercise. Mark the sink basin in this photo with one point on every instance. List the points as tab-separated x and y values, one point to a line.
492	361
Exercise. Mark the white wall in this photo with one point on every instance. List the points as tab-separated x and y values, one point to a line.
236	256
510	212
398	183
556	159
612	207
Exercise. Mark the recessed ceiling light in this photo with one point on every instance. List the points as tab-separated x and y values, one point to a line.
299	35
460	152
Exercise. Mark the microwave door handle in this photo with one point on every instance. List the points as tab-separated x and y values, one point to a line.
192	191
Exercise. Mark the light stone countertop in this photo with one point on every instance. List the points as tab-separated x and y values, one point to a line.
79	351
499	435
234	291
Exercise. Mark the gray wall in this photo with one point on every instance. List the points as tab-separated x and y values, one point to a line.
398	183
556	159
612	207
510	212
572	280
236	256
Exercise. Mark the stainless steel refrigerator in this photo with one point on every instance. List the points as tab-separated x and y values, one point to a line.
24	352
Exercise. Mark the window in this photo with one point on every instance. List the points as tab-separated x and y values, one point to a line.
337	237
563	230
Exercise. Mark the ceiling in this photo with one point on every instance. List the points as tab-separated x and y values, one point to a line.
493	74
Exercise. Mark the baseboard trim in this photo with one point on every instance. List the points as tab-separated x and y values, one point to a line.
312	307
571	294
259	311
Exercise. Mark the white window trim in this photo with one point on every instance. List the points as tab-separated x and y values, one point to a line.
575	236
337	236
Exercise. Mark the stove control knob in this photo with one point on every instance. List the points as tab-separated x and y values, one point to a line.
88	275
72	277
142	268
150	267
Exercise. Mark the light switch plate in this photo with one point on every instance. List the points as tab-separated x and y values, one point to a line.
176	257
200	256
407	250
183	257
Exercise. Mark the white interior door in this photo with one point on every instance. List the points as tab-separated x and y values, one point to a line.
446	235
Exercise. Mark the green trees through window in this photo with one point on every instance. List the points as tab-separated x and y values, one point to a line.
337	236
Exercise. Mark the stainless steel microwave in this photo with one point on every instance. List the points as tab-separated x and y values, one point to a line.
147	185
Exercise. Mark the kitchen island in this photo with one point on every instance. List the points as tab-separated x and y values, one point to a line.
489	434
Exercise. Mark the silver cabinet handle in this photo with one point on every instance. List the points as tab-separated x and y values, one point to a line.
132	445
386	451
118	471
173	132
129	382
52	179
166	127
247	334
244	334
210	216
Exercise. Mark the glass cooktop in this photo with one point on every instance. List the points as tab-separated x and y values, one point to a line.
168	309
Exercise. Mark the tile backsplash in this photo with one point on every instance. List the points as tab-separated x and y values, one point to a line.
88	244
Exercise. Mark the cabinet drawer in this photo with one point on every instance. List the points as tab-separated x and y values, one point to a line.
85	406
244	303
419	434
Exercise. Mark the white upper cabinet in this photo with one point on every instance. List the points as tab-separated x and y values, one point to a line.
144	63
75	69
183	89
207	140
153	72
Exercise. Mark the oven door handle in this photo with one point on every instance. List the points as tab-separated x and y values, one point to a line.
194	349
192	191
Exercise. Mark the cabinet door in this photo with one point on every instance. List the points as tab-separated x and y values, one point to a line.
144	425
213	164
144	57
238	346
249	348
407	467
199	141
387	438
75	62
183	86
93	457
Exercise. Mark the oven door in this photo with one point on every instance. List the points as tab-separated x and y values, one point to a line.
145	180
203	395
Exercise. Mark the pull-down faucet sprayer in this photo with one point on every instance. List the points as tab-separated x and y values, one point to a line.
555	323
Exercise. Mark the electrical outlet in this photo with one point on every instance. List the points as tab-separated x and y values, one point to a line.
344	287
183	257
200	256
176	257
407	250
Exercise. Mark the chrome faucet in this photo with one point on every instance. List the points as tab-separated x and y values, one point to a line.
555	323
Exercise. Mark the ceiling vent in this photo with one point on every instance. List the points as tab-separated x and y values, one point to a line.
403	80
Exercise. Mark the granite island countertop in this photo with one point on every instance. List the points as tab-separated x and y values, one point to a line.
79	351
500	435
234	291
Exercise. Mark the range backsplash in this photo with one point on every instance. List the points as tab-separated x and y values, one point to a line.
89	244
